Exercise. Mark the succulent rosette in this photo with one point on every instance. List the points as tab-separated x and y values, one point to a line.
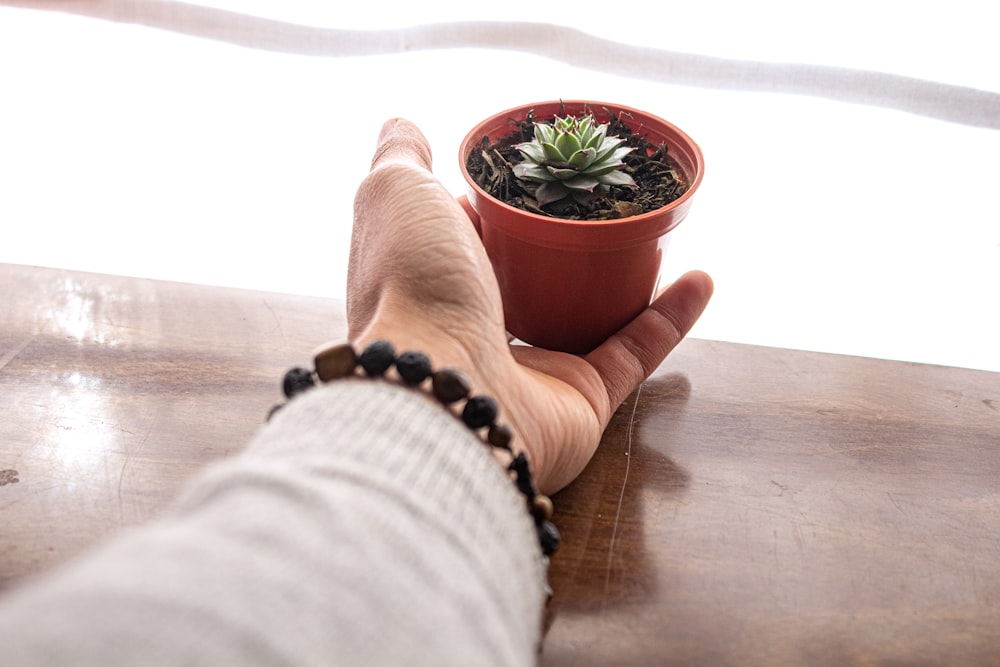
572	157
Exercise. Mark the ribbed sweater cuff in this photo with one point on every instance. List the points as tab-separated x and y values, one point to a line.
430	485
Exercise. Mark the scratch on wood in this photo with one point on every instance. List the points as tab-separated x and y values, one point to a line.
121	480
277	320
892	499
9	356
621	496
800	540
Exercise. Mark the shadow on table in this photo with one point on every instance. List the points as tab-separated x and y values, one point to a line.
604	563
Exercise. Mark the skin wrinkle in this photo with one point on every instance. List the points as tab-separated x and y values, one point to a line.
616	381
439	283
638	353
562	468
408	146
434	290
665	319
397	307
380	200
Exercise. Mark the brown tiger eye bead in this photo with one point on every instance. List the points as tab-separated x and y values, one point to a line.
500	436
335	362
449	385
541	508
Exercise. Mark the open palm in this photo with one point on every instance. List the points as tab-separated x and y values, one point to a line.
418	276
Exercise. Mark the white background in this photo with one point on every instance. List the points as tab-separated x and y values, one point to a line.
827	225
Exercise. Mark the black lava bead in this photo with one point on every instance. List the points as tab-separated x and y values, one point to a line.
522	475
296	381
480	411
377	358
548	537
413	367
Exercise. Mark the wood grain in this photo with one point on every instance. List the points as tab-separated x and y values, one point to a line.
748	505
113	391
758	506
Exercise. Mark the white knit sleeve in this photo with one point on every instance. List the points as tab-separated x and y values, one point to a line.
363	526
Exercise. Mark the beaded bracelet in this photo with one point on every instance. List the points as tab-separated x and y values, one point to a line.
448	386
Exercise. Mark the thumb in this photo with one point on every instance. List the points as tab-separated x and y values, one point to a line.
400	141
631	355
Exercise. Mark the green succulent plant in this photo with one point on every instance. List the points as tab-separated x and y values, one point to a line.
572	157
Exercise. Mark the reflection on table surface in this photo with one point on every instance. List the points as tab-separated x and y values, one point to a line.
748	505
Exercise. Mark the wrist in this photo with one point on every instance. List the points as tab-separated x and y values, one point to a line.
481	351
488	364
479	412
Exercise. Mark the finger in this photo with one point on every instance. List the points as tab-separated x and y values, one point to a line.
401	141
473	215
631	355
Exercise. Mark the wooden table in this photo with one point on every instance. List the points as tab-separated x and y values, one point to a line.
748	505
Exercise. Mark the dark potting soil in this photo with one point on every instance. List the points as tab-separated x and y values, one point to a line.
658	178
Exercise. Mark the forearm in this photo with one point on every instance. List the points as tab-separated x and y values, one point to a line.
364	525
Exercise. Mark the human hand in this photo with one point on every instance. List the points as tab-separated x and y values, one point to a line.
418	276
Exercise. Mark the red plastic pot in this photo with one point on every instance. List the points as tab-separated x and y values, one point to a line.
567	284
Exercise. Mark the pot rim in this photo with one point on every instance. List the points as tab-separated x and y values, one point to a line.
684	143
